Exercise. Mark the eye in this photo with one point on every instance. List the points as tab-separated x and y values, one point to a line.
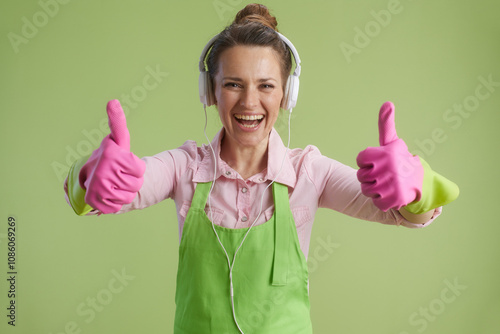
231	85
267	86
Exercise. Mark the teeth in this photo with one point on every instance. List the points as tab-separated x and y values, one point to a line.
249	117
249	126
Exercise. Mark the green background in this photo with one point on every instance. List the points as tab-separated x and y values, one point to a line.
426	58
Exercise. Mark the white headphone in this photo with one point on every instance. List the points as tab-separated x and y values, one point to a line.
291	89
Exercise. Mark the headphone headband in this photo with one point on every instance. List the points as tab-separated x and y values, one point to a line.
292	86
295	54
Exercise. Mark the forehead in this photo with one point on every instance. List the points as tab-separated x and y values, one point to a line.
250	62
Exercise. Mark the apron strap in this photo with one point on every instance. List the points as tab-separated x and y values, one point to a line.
200	196
282	215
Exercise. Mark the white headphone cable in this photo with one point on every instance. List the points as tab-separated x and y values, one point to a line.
260	210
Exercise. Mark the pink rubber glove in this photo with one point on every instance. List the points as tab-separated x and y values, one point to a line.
113	175
389	174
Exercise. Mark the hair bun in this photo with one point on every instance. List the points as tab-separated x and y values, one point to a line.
256	13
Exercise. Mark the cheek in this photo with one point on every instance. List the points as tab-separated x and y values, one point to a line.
275	101
222	99
274	110
225	103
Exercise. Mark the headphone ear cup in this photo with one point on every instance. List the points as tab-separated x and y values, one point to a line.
202	87
294	91
205	89
291	93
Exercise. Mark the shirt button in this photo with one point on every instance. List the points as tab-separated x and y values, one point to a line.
244	218
228	173
244	190
261	179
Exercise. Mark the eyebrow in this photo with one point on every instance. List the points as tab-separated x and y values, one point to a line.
240	80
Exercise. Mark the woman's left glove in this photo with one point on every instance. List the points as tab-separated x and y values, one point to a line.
394	178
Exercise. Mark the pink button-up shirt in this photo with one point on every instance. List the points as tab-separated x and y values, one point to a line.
314	181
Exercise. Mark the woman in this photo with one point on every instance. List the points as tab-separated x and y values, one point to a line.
243	248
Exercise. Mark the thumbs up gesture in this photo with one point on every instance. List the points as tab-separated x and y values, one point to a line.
389	174
113	175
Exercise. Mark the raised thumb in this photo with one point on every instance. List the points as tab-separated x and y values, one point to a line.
118	125
386	125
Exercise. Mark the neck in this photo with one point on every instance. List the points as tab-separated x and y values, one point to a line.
246	160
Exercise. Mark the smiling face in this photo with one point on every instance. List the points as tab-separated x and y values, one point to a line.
248	90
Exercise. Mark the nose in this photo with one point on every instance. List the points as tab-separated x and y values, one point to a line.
250	98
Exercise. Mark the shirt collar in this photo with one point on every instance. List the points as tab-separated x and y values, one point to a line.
276	151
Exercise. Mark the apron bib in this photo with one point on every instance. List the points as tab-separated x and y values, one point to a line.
270	274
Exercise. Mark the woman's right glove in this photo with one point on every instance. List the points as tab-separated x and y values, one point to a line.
112	175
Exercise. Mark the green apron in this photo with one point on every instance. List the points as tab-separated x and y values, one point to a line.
269	275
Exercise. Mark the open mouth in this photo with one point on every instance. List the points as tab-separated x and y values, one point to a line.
249	121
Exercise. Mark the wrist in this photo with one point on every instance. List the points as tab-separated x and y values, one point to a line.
436	191
420	218
76	194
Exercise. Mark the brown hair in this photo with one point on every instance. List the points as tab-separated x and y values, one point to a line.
253	26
